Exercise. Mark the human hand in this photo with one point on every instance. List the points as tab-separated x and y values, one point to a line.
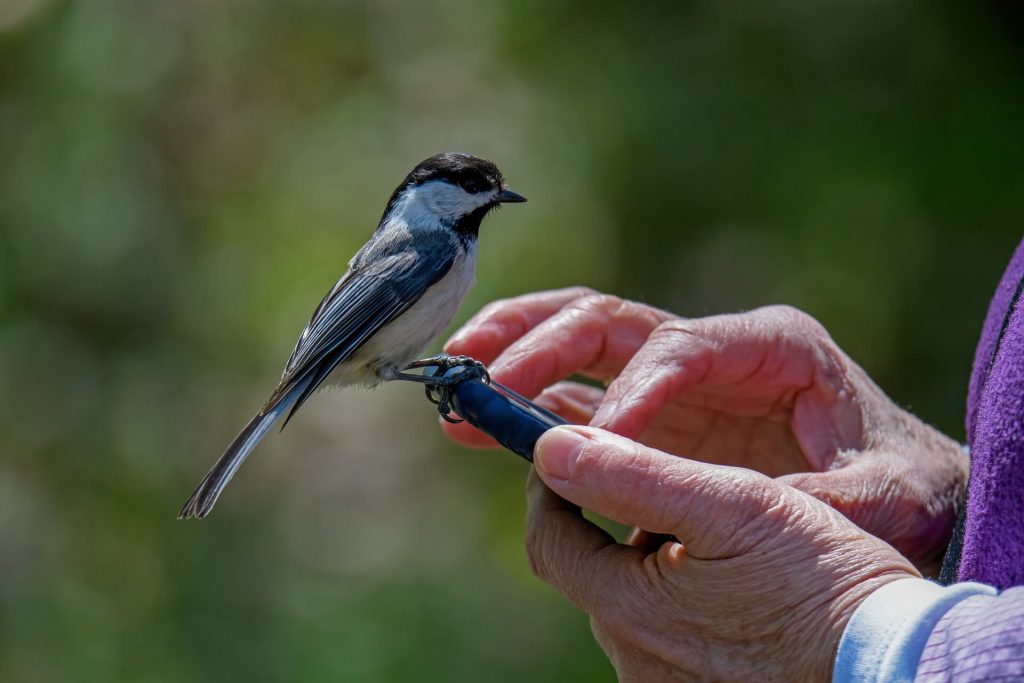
768	390
759	587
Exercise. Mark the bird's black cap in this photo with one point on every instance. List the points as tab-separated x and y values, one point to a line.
471	173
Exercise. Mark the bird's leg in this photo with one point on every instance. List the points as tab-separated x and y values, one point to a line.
442	380
443	362
410	377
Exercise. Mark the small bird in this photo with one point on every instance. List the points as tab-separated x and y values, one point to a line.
401	290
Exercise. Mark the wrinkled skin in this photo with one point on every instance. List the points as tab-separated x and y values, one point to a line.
758	586
738	575
767	390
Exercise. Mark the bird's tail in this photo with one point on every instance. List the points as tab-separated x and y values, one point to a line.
210	488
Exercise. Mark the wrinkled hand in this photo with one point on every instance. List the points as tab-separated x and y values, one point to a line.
759	587
767	390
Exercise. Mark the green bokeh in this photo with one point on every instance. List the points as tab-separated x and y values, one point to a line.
181	181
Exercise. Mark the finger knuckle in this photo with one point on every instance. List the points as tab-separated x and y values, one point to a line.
581	291
596	301
691	331
783	311
792	318
685	342
805	334
677	326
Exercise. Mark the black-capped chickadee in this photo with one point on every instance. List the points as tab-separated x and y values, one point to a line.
399	293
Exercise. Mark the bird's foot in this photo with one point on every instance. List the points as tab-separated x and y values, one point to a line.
443	363
439	390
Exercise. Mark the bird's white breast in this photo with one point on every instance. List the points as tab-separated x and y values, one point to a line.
404	339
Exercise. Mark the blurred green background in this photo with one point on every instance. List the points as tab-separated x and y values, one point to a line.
180	182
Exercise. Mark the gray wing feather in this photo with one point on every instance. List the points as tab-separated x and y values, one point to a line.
363	301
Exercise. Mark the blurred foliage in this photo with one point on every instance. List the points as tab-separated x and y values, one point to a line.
181	181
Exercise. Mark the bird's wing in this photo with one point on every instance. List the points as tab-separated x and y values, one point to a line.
363	301
378	287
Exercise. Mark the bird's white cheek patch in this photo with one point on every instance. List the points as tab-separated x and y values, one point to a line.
440	200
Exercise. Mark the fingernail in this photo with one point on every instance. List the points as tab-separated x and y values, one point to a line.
557	452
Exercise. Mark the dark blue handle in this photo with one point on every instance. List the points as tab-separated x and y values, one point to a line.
515	423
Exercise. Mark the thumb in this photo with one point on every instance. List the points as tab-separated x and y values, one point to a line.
715	511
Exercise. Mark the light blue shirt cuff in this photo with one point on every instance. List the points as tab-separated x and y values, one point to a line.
885	637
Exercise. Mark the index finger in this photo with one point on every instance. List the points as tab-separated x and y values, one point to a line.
502	322
595	336
756	361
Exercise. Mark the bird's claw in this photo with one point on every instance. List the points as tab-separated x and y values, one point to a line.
445	412
439	391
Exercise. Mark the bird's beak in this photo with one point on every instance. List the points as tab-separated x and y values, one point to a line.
510	197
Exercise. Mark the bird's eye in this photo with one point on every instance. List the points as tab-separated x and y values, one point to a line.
471	185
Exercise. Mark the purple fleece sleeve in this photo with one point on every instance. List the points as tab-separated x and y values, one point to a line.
990	333
979	639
